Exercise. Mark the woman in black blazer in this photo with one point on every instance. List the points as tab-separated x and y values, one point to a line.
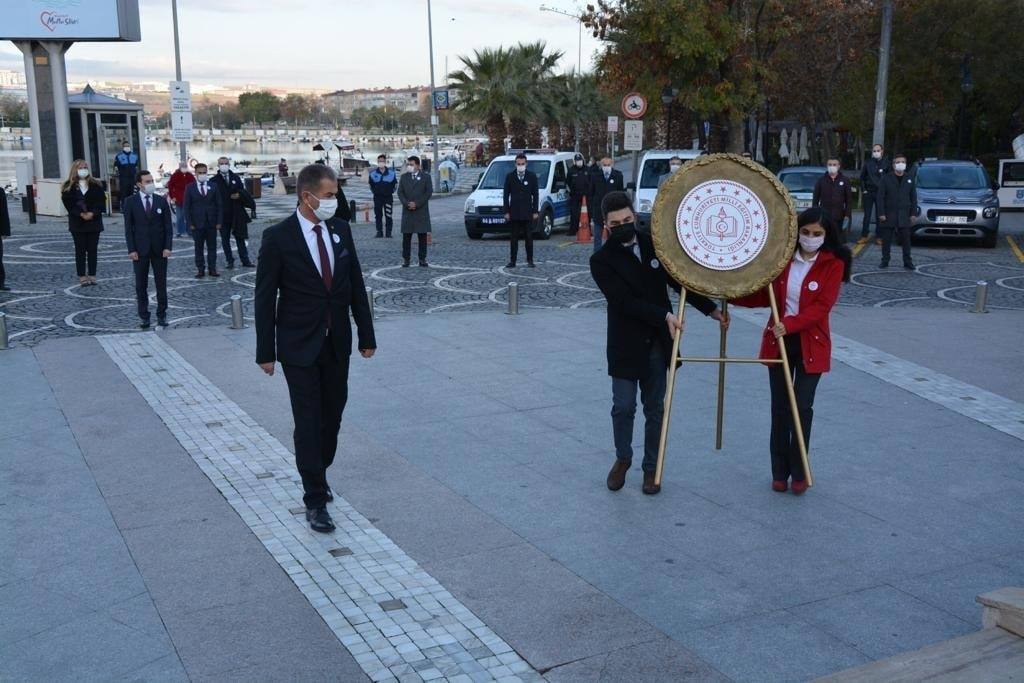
85	202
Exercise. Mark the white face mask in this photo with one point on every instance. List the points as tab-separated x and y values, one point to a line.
325	209
579	163
126	148
673	168
224	168
381	165
202	177
83	173
877	154
520	168
811	244
183	169
149	188
607	170
900	166
410	168
833	170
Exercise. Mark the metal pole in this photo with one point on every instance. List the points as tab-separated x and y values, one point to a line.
721	381
237	321
980	297
177	70
4	343
884	50
670	387
369	299
797	426
513	298
435	172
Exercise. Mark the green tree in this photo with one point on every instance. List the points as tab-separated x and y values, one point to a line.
530	83
259	107
13	110
484	92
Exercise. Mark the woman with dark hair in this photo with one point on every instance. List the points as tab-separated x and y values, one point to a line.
809	288
85	201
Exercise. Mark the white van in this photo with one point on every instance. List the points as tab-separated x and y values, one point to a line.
1011	184
485	212
654	166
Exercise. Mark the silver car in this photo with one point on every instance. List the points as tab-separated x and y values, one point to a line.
800	180
957	200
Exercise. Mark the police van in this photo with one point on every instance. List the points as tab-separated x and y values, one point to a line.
653	167
485	212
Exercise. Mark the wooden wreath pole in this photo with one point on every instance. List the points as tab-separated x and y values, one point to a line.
798	428
669	390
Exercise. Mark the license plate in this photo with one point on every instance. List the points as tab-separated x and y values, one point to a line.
492	221
803	204
951	219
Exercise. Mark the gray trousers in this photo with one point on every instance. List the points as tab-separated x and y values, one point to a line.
652	395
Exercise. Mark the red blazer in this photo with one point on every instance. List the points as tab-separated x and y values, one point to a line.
177	184
817	297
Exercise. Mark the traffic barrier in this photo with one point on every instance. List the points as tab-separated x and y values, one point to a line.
4	342
237	321
583	234
513	298
980	297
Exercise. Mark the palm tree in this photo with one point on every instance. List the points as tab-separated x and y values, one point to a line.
483	84
532	80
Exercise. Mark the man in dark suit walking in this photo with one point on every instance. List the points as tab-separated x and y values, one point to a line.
897	204
521	198
149	233
641	325
309	259
607	180
414	191
203	209
234	217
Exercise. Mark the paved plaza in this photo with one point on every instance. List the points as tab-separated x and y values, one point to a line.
151	516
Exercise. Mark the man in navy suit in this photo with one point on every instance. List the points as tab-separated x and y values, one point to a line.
608	179
203	209
520	198
308	280
149	232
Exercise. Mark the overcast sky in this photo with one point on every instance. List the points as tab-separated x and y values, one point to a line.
327	44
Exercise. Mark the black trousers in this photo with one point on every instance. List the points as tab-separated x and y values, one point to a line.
869	207
225	240
205	239
784	447
3	273
421	245
575	208
86	245
524	229
318	395
382	212
903	235
142	266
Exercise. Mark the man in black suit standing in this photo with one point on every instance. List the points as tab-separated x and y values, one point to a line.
641	325
578	181
607	180
234	217
897	205
203	208
521	198
310	260
414	191
149	233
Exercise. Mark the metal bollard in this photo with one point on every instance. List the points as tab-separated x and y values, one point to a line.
980	297
237	321
513	298
3	328
369	298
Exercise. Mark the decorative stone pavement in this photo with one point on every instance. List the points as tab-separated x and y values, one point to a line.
465	275
396	620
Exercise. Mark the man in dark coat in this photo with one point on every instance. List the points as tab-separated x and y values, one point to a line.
203	209
521	199
414	191
607	180
641	325
578	181
5	231
833	194
149	234
897	204
235	218
308	283
870	178
382	184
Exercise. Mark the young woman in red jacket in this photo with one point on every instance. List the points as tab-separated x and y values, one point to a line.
808	289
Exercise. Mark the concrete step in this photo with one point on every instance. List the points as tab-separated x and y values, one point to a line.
994	654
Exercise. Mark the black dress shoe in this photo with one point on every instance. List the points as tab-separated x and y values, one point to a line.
909	266
883	264
248	264
161	322
649	487
320	520
510	264
330	495
405	264
379	235
214	273
230	265
424	264
531	264
200	275
144	325
4	288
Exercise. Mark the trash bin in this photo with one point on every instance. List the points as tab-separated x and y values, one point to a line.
254	186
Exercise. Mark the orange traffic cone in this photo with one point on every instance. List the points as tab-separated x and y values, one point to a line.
583	234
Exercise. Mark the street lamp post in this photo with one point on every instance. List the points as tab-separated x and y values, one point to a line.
177	70
435	172
579	61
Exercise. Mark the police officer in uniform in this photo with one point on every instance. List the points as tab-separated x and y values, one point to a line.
579	187
126	163
383	182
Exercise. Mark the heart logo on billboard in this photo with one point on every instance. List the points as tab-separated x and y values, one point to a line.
44	19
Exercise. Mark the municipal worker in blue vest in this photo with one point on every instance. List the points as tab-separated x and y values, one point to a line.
126	163
382	183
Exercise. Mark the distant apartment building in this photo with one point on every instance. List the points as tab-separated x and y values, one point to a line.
11	79
401	99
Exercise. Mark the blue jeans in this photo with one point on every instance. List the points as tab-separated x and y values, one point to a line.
652	395
182	225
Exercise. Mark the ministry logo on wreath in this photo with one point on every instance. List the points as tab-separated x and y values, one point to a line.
721	224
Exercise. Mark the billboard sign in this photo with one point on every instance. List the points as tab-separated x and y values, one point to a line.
100	20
